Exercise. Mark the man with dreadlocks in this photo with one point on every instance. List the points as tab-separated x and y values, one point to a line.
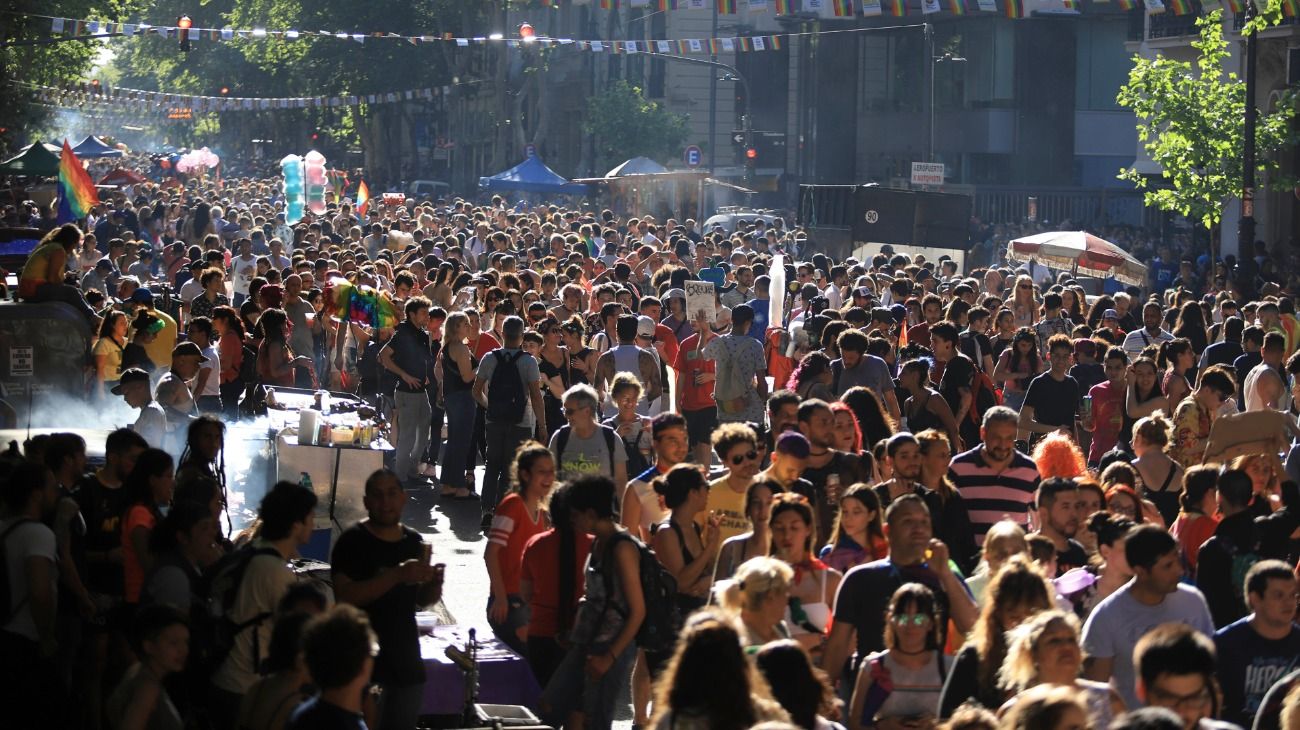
202	471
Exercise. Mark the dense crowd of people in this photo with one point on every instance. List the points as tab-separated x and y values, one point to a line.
874	492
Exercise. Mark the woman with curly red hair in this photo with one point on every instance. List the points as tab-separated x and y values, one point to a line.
1058	456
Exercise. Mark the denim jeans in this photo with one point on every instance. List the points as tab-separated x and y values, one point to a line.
516	618
503	440
571	690
460	408
413	414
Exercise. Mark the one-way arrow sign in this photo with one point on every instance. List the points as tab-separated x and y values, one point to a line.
738	137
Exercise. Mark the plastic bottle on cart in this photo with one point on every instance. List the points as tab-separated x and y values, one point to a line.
305	481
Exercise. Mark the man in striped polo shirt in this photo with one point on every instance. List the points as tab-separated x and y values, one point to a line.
996	481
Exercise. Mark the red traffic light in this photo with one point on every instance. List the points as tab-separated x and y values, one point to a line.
184	22
314	136
751	153
225	90
526	32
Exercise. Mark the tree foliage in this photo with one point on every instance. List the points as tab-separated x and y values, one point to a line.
1191	122
625	124
47	64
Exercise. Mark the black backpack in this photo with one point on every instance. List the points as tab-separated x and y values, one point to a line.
663	618
611	437
507	397
7	610
215	632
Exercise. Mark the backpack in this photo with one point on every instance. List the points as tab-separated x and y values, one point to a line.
562	440
215	632
663	618
507	397
637	462
248	365
7	609
984	395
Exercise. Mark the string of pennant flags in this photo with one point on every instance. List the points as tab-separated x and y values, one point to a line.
94	93
80	27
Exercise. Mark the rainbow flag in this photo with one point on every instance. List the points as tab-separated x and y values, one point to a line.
606	4
957	7
363	197
843	8
775	42
1127	5
1014	9
782	7
1183	7
896	8
726	7
361	304
77	193
1291	8
665	5
1236	6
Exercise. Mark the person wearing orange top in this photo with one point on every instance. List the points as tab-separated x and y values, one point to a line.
517	519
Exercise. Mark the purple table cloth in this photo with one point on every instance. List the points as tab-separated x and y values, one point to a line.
504	677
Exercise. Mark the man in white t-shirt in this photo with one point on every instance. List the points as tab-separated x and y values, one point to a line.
135	388
27	641
242	270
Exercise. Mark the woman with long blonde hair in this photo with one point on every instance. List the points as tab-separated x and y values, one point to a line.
1045	650
458	370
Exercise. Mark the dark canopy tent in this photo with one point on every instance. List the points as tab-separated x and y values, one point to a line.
531	176
35	160
92	146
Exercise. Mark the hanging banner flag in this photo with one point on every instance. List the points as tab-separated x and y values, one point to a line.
726	7
1016	8
929	7
843	8
957	7
759	43
758	6
871	8
782	7
1291	8
988	6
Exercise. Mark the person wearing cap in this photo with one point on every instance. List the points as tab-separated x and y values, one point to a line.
647	330
174	395
628	357
101	277
677	319
134	388
1110	320
160	349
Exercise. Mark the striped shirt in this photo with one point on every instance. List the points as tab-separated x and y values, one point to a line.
992	496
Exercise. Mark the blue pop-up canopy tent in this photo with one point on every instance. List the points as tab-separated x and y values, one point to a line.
531	176
92	146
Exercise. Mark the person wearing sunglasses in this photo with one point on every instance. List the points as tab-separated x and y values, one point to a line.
736	444
913	658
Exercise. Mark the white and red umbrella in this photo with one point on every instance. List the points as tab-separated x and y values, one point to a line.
1081	252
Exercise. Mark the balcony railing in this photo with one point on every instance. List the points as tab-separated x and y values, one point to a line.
1239	20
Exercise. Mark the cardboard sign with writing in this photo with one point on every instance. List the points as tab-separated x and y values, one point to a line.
699	298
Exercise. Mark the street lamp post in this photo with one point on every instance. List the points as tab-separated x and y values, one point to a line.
1246	226
747	123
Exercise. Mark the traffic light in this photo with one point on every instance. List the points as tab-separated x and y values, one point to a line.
225	90
183	25
751	163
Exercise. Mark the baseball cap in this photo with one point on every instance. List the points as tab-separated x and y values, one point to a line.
142	296
645	327
129	376
793	443
188	348
1110	314
675	294
900	312
862	291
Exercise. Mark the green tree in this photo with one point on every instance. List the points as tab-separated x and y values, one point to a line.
625	124
48	64
1191	121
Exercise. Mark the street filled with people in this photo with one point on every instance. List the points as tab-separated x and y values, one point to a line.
874	491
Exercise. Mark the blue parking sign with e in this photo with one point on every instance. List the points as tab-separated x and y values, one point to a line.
693	156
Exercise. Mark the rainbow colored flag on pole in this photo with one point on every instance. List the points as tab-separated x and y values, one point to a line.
957	7
1183	7
782	7
843	8
77	193
363	198
1014	9
726	7
1127	5
896	8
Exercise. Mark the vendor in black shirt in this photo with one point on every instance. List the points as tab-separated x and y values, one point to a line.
380	565
1052	400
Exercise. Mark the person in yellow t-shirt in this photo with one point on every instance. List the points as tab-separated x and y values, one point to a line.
737	445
